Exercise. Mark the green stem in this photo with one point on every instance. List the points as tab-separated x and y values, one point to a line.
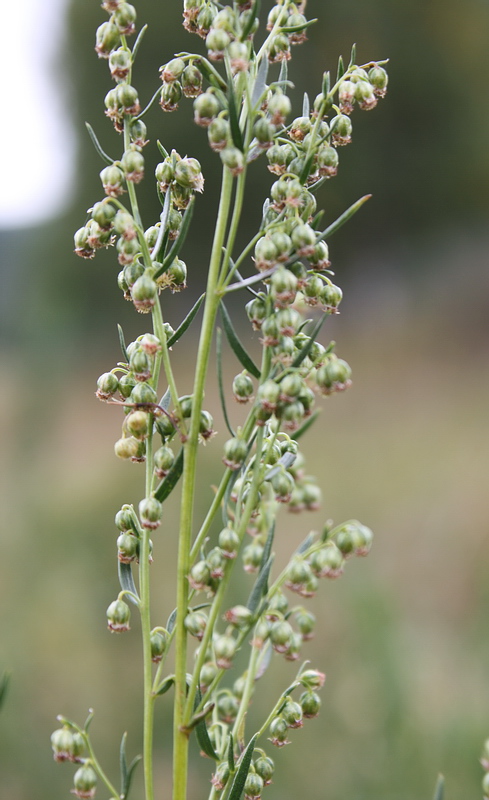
180	753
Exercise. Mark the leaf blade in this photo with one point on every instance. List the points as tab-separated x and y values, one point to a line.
98	147
222	395
186	322
168	484
123	343
126	580
242	773
179	241
236	345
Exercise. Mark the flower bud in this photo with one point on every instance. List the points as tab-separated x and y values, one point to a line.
378	78
137	423
150	511
268	394
341	129
253	786
118	616
191	80
292	714
256	311
215	560
112	180
278	732
319	258
133	164
206	107
159	642
239	616
278	605
200	576
120	62
280	635
143	395
129	448
164	460
127	97
233	159
298	573
306	622
124	519
224	650
239	57
125	18
181	196
282	484
85	782
299	128
303	239
312	679
283	287
218	133
144	293
279	49
365	95
252	557
106	39
140	365
82	245
346	96
103	214
310	703
328	562
227	707
171	94
265	253
217	41
264	132
311	495
188	174
173	70
264	767
137	132
279	107
334	376
327	161
196	623
131	273
127	547
235	453
107	385
62	744
229	542
207	674
220	776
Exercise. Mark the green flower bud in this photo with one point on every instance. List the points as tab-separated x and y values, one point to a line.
159	643
243	388
252	557
140	365
292	714
303	239
365	95
173	70
334	376
137	424
165	173
279	107
62	744
276	159
298	573
112	180
191	80
282	484
327	161
283	287
264	132
280	635
341	129
233	159
188	174
82	245
239	57
264	767
120	62
207	674
265	253
125	18
129	448
124	519
164	460
311	495
127	547
239	616
150	511
312	679
306	622
128	250
278	605
181	196
299	128
215	560
227	708
85	782
106	39
103	214
127	97
378	78
217	41
195	624
328	562
319	258
278	732
171	94
268	394
218	133
229	542
256	311
220	776
127	383
200	576
346	96
288	321
118	616
107	385
253	786
279	49
235	453
224	650
137	132
133	164
132	272
206	107
310	703
144	293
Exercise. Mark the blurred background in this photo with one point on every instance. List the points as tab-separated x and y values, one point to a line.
403	635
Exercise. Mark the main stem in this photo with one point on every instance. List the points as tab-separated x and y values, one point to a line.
180	739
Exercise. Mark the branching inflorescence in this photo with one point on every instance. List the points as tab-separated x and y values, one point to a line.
245	111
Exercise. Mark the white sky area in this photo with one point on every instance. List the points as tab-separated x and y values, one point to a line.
36	138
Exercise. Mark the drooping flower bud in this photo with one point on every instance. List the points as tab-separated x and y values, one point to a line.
189	175
159	643
118	616
224	650
378	78
278	732
195	624
133	164
173	70
253	786
292	714
310	703
150	511
235	452
206	107
334	376
191	81
170	96
106	39
107	386
125	18
120	62
200	576
164	459
229	542
85	782
144	293
62	744
233	159
341	129
243	388
112	178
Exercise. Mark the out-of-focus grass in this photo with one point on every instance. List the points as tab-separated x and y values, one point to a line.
402	636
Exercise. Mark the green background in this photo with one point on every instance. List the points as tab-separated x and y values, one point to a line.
403	635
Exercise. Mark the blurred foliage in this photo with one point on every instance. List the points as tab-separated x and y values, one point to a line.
403	637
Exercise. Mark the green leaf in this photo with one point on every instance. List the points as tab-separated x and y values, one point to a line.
260	84
172	620
202	733
326	85
162	150
148	106
261	586
123	761
4	682
220	383
179	241
130	771
138	41
127	581
98	147
298	28
306	106
166	684
306	169
209	72
242	773
440	788
236	345
348	214
234	121
186	322
123	344
306	543
232	480
341	69
306	425
264	660
255	10
305	350
231	763
165	400
168	484
282	78
353	56
162	233
284	462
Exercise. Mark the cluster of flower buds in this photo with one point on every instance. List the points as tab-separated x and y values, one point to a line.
260	775
68	744
293	713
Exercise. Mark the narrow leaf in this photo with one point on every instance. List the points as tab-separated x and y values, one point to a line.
326	84
282	78
236	345
171	620
306	169
305	350
231	763
306	425
222	395
179	241
162	150
264	660
260	84
168	484
210	73
255	10
4	682
130	772
163	225
166	685
123	344
234	121
267	550
284	462
103	155
138	41
227	496
260	587
440	788
306	544
165	400
123	761
298	28
306	106
353	56
242	773
348	214
341	69
186	322
202	733
127	581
